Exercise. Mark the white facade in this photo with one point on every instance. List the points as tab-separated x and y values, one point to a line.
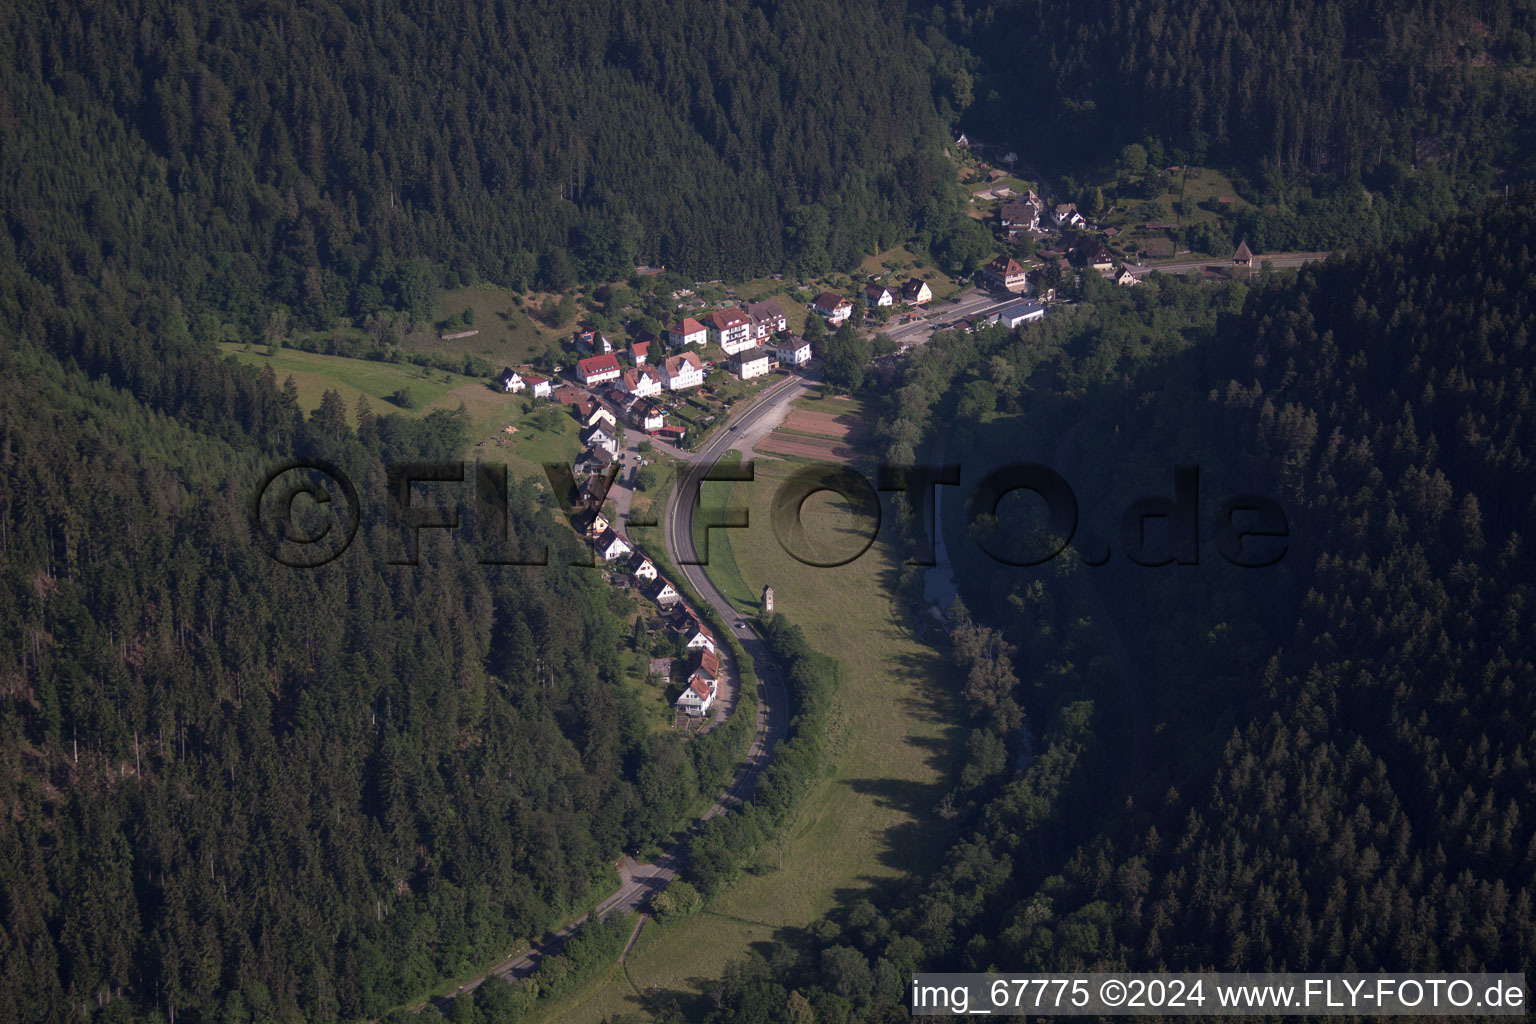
642	382
689	332
698	697
683	371
794	351
731	330
752	363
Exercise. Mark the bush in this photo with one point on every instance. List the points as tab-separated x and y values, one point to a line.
403	398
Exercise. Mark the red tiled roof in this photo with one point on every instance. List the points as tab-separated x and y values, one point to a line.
830	300
598	364
725	319
688	326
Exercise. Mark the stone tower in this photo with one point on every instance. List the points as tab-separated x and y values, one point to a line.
767	600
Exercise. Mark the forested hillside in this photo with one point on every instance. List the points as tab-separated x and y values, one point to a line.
1321	87
234	790
1322	765
343	158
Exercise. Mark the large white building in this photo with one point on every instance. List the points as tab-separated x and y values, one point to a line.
731	330
685	370
598	369
753	362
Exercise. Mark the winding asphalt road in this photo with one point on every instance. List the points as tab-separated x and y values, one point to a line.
640	881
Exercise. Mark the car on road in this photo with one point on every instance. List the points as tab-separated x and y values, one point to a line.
740	624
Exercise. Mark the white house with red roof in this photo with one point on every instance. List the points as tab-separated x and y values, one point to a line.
639	351
642	382
698	696
685	370
730	329
511	381
539	387
1005	273
833	306
598	369
876	294
688	332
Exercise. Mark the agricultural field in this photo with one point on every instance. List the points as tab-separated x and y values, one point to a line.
871	819
815	432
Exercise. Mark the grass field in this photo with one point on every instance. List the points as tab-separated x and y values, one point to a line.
870	821
506	335
538	439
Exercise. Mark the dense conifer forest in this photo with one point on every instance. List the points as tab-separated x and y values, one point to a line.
1335	89
340	159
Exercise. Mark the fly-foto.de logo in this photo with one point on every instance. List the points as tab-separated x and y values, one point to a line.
307	512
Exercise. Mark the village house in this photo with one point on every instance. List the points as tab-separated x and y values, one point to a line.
916	292
1066	216
594	489
792	351
697	696
706	664
538	387
833	306
1095	255
597	369
697	636
1020	215
688	332
642	568
640	351
664	593
611	546
597	437
1244	256
642	382
1125	278
683	371
730	329
1006	274
672	433
511	381
767	319
876	295
647	415
589	413
593	341
594	460
753	362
